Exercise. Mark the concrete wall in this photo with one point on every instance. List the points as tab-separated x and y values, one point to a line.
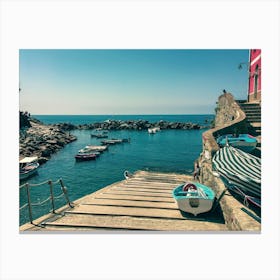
229	118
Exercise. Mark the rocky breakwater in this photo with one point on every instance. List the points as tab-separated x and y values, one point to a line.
43	140
131	125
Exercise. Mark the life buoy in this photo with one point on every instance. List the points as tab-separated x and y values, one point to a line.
189	186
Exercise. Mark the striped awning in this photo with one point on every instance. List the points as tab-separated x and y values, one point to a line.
239	170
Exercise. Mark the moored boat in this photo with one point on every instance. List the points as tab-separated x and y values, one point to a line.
244	142
194	198
153	130
27	167
91	148
240	172
114	141
99	135
85	156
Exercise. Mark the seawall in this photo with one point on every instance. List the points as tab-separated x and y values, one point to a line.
229	119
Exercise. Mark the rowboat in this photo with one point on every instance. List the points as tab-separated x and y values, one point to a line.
27	167
99	135
85	156
244	142
114	141
91	148
194	198
153	130
240	172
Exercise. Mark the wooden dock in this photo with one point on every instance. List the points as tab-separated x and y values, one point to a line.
143	202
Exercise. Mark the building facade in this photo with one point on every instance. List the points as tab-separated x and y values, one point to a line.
254	87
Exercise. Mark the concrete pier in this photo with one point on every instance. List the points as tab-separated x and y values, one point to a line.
143	202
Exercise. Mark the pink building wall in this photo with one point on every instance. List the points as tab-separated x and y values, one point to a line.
254	88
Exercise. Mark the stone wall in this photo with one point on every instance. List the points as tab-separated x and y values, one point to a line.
229	119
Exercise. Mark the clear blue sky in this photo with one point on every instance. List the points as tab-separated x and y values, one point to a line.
128	81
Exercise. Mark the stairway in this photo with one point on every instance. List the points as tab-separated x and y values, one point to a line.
253	118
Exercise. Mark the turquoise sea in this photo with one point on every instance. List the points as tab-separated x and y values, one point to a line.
165	151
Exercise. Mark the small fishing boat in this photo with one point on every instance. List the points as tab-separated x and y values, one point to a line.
85	156
240	172
153	130
99	135
245	142
91	148
27	167
194	198
114	141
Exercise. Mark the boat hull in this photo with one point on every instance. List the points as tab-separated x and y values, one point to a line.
194	203
244	142
30	170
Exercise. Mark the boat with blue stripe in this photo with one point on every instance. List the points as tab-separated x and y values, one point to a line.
245	142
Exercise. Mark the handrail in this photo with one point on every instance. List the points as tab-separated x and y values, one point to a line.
51	197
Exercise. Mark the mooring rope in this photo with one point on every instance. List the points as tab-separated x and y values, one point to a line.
59	196
39	184
26	204
41	202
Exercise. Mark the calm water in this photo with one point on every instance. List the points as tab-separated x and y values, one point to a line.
166	151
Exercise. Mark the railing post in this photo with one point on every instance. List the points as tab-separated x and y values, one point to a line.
29	203
52	197
64	189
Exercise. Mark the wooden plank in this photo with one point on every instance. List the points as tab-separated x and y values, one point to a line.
133	197
92	222
149	185
127	211
120	202
154	194
140	189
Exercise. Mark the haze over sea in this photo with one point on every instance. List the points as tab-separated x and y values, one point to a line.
165	151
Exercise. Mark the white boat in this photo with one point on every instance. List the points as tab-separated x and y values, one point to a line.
91	148
27	167
194	198
153	130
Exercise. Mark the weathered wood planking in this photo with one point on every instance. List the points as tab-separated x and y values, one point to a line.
143	202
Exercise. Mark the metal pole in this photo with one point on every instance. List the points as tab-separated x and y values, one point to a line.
52	197
64	189
29	203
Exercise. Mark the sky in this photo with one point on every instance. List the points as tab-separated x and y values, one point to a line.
95	82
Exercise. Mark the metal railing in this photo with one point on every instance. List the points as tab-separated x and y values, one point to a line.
52	198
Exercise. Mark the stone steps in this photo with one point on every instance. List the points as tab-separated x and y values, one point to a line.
253	116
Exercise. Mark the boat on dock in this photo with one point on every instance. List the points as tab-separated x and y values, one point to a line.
240	172
194	198
244	142
28	167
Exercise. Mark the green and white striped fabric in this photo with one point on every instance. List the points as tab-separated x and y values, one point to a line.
239	169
